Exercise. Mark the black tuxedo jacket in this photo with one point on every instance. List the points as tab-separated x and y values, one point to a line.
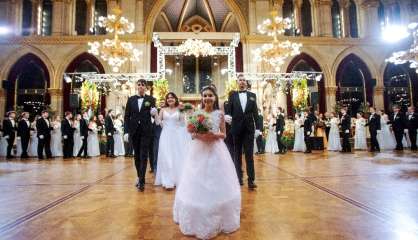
8	128
67	129
110	128
243	119
42	127
398	122
374	122
139	120
412	123
280	123
309	122
23	130
345	122
84	128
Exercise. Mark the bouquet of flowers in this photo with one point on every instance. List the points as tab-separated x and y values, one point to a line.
199	122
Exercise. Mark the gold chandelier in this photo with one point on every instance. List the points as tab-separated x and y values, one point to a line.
114	51
411	55
275	53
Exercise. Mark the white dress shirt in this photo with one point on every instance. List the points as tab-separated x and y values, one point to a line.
140	101
12	121
47	121
243	100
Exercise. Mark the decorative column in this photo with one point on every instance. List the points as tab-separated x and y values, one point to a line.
36	15
372	19
378	99
56	100
330	97
345	13
139	17
325	18
3	97
90	16
14	15
252	17
297	12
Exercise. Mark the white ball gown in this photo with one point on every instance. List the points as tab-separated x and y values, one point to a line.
174	140
78	142
56	140
385	137
3	146
299	145
360	139
208	197
271	140
119	147
93	147
33	145
334	142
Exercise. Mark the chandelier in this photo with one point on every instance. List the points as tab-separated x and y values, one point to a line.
114	51
197	48
411	55
275	53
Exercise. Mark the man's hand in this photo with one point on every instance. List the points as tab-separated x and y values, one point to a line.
278	132
65	136
405	130
82	137
18	138
347	131
228	119
153	111
41	136
109	134
257	132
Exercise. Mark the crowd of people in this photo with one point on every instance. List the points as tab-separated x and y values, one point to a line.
394	131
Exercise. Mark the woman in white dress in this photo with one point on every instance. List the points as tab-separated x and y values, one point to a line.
33	146
360	140
334	142
173	143
208	197
78	142
93	147
271	140
385	137
119	147
299	145
56	138
3	146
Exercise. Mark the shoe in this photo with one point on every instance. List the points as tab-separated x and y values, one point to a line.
277	152
252	185
151	171
308	151
10	157
113	156
141	187
241	182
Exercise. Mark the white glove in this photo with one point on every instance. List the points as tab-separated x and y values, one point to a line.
228	119
347	131
109	134
18	138
312	133
41	136
65	137
153	111
379	131
126	137
257	132
278	132
82	137
405	130
308	133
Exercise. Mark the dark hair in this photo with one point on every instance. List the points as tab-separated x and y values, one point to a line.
44	111
216	103
67	113
142	81
110	110
174	96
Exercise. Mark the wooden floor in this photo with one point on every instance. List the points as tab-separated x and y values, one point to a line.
315	196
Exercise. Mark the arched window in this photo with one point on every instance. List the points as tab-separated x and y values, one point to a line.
197	73
397	83
352	12
336	19
288	13
100	10
81	17
306	18
46	21
381	14
26	17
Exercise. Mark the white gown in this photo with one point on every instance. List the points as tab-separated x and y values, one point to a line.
18	147
173	144
334	142
271	140
56	140
360	140
77	139
208	198
93	147
299	145
33	145
385	137
119	149
3	146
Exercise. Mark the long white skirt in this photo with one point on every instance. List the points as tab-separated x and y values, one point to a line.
119	145
93	147
271	142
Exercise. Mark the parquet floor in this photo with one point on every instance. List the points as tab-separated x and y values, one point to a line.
315	196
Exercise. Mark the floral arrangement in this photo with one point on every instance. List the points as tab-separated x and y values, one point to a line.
89	95
300	93
288	137
160	87
199	122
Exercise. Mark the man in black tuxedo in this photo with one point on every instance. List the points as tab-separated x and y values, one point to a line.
374	128
412	125
44	128
398	126
280	123
9	131
327	124
243	114
110	130
259	139
67	130
310	120
23	132
345	128
138	112
84	133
